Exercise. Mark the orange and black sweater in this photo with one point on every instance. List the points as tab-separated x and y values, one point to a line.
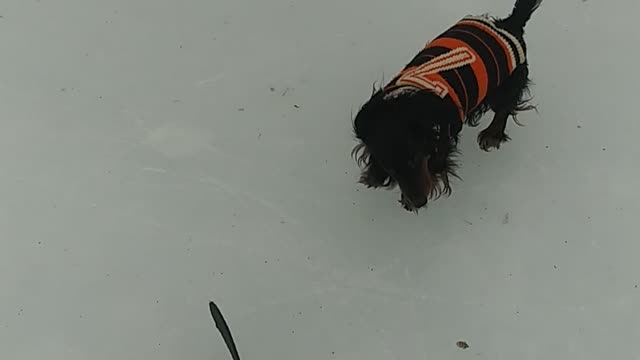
465	63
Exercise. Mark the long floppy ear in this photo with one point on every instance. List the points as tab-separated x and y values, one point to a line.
361	155
442	149
422	137
443	164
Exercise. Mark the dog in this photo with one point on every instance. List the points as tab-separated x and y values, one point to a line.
408	130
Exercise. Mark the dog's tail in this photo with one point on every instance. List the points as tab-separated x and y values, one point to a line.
522	11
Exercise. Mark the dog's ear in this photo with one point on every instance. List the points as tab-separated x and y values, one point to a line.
368	116
361	155
421	135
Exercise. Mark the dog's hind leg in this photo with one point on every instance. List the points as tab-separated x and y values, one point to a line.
508	100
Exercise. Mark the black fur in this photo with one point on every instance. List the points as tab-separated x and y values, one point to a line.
411	139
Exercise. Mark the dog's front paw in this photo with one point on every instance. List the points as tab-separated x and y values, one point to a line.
489	140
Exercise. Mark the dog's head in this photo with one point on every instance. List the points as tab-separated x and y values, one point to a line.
405	139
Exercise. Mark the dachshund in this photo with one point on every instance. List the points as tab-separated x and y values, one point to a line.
408	130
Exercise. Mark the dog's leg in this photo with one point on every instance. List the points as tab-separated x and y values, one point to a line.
508	100
494	135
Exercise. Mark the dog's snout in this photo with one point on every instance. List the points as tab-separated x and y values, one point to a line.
419	202
413	203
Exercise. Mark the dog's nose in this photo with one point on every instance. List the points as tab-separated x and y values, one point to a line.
419	202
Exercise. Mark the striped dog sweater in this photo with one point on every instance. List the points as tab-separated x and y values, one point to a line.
465	63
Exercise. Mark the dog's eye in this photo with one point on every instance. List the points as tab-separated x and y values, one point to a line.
391	172
413	163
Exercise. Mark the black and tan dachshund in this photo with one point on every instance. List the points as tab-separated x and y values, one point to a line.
408	130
